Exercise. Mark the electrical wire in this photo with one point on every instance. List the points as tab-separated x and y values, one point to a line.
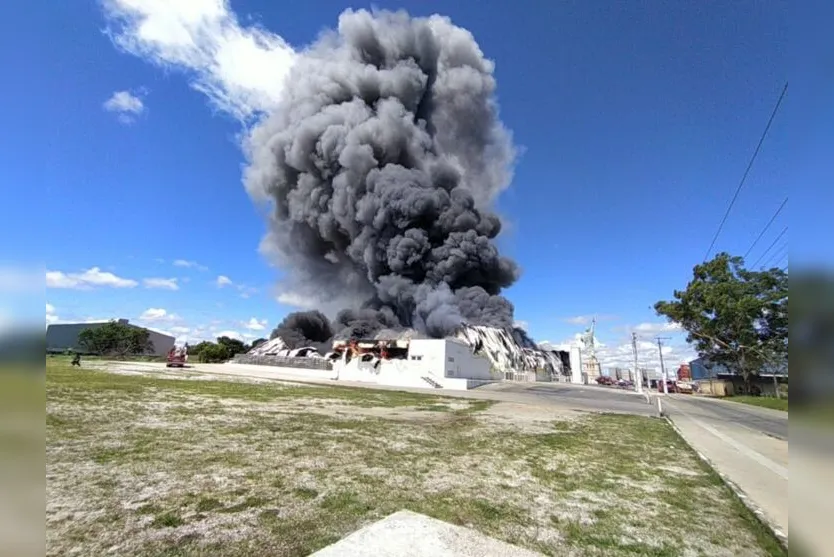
759	237
747	171
777	256
770	247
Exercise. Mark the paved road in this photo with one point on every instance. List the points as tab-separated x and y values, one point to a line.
586	398
747	444
762	420
559	395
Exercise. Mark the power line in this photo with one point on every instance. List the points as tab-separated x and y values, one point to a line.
770	247
759	237
786	258
776	257
747	171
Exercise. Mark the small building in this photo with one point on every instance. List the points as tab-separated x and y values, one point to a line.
61	337
441	363
714	378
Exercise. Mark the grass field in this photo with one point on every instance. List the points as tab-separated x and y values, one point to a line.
763	401
154	464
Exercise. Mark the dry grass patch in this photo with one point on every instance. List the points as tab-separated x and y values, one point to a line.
139	465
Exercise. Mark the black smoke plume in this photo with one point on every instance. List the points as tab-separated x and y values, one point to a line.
303	328
381	164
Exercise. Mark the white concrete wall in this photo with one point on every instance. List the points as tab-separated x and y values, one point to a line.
431	352
461	363
447	363
406	373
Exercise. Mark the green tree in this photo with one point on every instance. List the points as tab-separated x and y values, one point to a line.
735	317
196	349
258	342
116	339
214	353
233	345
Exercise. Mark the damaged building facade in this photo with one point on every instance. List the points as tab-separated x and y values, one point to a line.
475	355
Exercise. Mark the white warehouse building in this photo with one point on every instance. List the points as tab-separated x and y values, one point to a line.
442	363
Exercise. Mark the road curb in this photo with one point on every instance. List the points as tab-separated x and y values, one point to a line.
737	491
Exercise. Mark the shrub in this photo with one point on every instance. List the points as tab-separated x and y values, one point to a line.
214	353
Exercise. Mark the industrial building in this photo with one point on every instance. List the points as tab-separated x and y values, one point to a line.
473	356
441	363
716	379
61	337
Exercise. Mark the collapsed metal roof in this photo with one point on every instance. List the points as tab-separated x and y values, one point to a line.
506	349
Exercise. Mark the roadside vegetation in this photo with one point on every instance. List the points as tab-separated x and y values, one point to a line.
158	463
763	401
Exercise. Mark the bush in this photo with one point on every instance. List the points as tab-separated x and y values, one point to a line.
214	353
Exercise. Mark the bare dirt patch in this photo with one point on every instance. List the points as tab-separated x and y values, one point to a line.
148	465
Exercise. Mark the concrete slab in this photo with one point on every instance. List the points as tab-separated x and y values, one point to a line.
409	534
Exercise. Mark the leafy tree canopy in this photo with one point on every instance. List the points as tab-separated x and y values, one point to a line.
735	317
116	339
196	349
233	345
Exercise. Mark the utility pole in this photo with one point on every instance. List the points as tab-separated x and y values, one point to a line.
638	377
662	368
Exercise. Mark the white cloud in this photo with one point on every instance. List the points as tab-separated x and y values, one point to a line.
246	291
180	330
657	328
255	325
157	315
295	300
587	319
189	264
161	283
240	69
125	105
579	320
51	316
86	280
230	334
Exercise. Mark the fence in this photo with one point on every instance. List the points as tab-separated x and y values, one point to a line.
283	361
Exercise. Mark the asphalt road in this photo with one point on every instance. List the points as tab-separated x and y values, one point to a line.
719	412
584	398
747	444
558	395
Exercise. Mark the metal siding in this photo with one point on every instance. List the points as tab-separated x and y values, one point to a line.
64	336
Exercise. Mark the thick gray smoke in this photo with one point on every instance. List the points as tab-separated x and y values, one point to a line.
382	163
303	328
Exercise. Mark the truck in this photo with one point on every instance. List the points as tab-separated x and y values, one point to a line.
177	357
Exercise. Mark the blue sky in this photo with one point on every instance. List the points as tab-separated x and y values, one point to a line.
636	122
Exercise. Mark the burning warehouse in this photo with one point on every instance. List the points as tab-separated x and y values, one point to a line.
381	166
406	358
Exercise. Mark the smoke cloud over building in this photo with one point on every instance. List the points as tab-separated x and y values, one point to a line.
381	165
